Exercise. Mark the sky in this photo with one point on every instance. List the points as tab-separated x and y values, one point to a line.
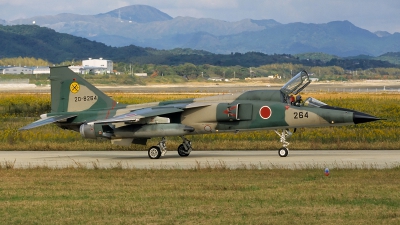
373	15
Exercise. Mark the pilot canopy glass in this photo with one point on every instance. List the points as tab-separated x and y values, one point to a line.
312	102
296	84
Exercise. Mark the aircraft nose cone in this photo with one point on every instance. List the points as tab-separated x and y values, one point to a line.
363	118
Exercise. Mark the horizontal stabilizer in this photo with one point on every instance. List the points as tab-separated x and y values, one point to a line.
47	120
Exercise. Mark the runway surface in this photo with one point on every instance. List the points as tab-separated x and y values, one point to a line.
297	159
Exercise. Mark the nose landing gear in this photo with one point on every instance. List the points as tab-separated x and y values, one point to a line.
284	151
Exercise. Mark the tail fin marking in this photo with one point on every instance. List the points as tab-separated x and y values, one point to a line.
72	93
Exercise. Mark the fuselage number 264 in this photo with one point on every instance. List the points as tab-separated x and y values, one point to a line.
300	115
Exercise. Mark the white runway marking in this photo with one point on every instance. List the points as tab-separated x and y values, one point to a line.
297	159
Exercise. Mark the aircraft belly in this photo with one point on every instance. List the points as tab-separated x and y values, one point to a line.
151	130
203	128
69	126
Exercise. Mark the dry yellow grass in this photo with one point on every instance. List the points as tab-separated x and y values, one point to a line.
377	135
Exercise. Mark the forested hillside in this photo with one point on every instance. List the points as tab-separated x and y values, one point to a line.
146	26
46	44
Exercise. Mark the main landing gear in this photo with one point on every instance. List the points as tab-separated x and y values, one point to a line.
284	151
155	152
184	149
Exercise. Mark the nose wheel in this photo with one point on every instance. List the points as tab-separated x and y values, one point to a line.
284	151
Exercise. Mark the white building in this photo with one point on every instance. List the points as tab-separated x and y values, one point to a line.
98	65
41	70
17	70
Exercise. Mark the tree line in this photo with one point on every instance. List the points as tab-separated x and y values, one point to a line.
44	43
190	71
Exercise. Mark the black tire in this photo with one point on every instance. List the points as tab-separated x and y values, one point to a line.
182	151
154	152
283	152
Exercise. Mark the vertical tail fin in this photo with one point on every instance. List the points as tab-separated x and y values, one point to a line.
72	93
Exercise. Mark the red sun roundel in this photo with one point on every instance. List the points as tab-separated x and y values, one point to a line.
265	112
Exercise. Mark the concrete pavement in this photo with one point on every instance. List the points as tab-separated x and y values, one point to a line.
297	159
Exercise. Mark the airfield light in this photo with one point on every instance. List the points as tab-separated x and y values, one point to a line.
326	172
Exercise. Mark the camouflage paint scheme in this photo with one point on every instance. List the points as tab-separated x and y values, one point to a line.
79	106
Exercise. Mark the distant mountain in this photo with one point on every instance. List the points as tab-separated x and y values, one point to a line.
140	25
45	43
266	23
147	26
382	33
340	38
2	22
137	13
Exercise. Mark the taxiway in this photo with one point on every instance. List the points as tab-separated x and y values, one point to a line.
297	159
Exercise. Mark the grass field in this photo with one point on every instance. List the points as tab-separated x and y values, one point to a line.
199	196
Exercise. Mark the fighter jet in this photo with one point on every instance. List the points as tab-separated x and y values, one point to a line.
78	105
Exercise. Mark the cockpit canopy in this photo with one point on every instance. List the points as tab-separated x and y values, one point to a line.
312	102
296	84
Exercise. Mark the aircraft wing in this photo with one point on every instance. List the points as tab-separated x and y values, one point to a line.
136	115
47	120
196	105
